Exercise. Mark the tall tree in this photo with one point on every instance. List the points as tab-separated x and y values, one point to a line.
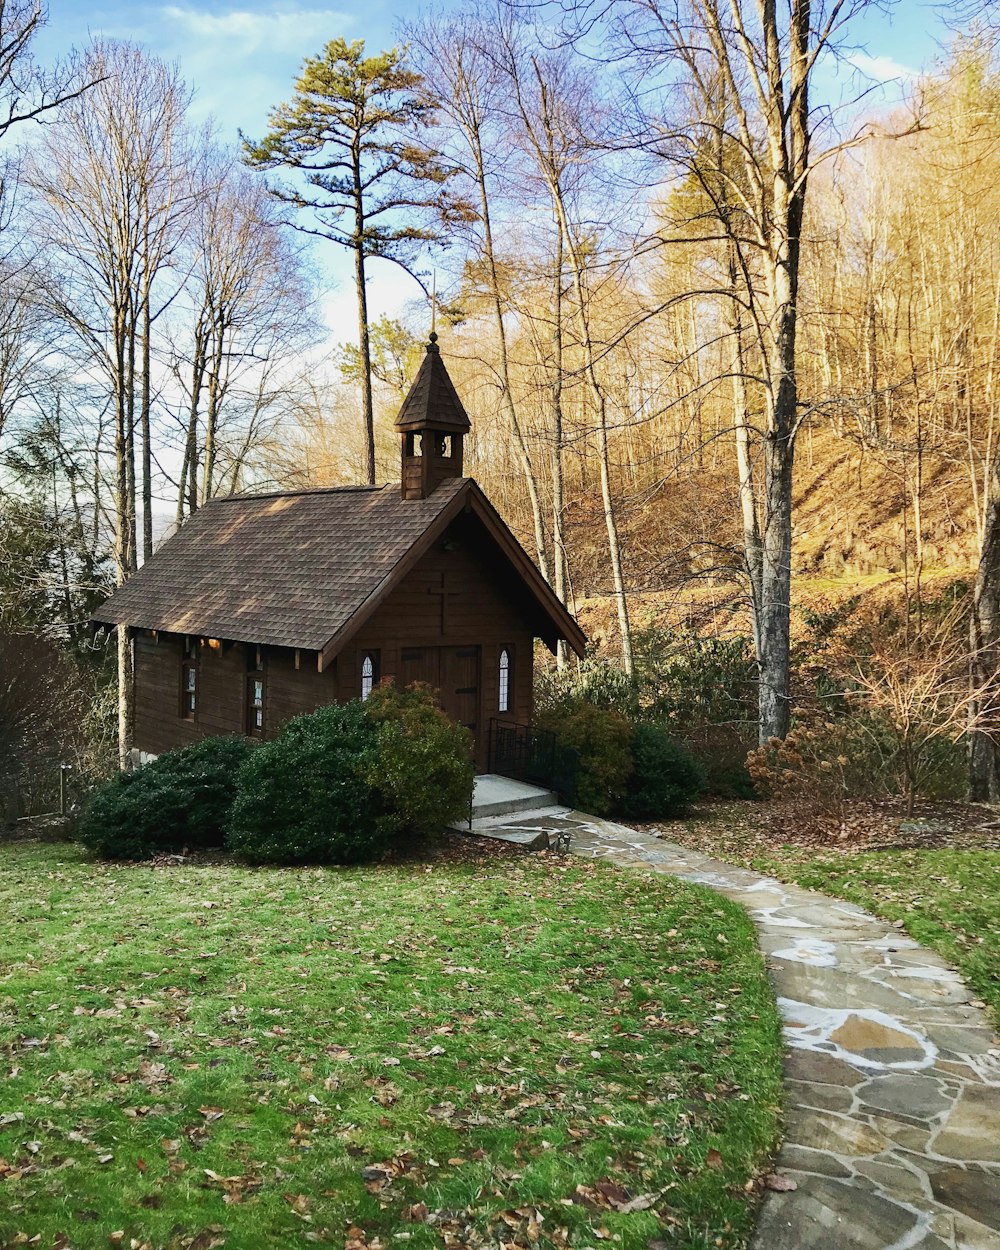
749	67
468	91
354	130
552	107
112	187
244	313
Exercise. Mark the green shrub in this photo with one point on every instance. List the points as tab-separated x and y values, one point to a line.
341	784
665	779
179	801
704	690
594	681
425	770
601	737
307	796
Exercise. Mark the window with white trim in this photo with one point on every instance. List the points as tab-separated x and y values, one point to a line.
189	677
255	693
369	673
503	703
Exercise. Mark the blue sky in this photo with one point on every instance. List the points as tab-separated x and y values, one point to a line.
241	56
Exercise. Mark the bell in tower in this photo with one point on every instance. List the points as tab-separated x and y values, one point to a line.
432	424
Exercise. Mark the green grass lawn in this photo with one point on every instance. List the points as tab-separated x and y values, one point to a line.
526	1052
947	899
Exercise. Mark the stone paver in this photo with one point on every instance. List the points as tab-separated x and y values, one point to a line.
892	1103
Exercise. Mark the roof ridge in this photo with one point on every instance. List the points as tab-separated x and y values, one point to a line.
244	496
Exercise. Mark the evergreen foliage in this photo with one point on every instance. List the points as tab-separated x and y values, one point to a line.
702	691
602	739
351	129
307	797
179	801
353	133
425	770
666	778
340	785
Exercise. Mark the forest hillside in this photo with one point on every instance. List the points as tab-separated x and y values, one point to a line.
727	325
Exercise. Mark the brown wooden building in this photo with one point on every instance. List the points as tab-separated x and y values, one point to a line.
265	606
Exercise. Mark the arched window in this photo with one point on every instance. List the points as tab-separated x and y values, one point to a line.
504	700
367	676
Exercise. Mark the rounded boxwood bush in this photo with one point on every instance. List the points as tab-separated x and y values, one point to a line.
307	796
666	777
179	801
341	784
425	769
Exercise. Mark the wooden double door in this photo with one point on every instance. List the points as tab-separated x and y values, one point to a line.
454	672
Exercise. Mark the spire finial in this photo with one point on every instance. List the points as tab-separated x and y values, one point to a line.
432	337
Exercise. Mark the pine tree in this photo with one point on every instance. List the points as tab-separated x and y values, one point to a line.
353	131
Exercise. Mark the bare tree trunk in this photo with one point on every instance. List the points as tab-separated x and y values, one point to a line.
601	407
789	171
558	483
211	420
984	650
182	480
124	490
364	342
144	417
131	537
776	579
551	173
126	698
744	455
614	544
215	386
520	444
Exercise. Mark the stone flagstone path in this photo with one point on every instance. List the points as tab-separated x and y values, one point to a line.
892	1076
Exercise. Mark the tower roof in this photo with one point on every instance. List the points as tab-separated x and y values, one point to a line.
432	403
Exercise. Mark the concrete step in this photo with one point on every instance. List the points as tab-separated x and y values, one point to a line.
534	828
501	796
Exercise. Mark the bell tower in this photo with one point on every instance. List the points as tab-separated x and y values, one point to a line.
432	424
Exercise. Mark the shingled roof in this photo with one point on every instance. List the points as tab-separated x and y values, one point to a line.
304	569
283	569
432	400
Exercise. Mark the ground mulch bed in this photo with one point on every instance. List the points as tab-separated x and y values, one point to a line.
741	831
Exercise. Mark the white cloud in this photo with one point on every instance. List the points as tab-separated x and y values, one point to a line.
278	31
881	68
242	61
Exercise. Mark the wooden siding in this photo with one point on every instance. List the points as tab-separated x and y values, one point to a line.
458	597
222	690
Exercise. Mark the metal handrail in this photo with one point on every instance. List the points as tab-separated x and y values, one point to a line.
534	755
